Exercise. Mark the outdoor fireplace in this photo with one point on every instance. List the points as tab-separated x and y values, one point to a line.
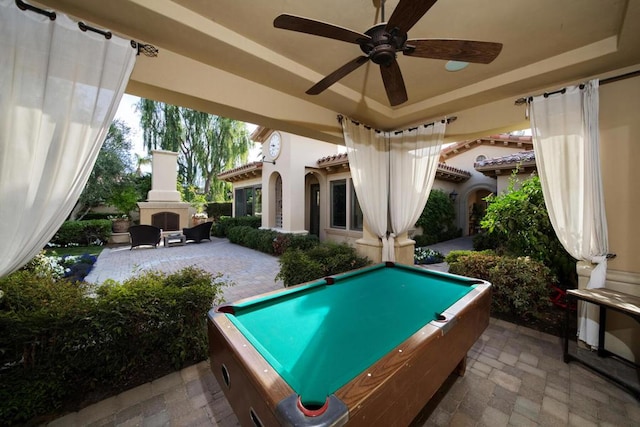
168	221
163	207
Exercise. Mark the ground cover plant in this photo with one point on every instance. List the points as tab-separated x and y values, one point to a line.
65	345
427	256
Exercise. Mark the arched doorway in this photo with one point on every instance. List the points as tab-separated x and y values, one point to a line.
476	208
278	201
312	202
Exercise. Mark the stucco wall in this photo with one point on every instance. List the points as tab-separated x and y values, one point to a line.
620	157
297	153
620	154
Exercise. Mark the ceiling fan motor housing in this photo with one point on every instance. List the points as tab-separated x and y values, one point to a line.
383	45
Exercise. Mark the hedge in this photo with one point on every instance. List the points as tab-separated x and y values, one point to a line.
327	258
226	222
269	241
62	343
520	285
83	233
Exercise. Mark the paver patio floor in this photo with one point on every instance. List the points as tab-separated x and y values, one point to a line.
515	375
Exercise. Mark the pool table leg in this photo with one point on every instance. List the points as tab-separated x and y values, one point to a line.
462	367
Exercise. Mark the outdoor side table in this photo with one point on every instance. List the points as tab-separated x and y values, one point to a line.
615	368
174	240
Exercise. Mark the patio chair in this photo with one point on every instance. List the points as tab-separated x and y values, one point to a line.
144	235
199	232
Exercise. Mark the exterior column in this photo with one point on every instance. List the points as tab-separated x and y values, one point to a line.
371	246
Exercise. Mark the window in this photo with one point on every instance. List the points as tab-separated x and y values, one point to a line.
248	201
343	207
339	204
480	158
356	211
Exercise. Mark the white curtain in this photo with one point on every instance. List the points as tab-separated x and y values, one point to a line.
414	157
369	163
566	142
59	90
392	173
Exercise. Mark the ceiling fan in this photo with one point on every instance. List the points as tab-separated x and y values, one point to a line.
383	41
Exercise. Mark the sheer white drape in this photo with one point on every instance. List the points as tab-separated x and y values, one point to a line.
369	163
392	174
566	142
59	90
414	156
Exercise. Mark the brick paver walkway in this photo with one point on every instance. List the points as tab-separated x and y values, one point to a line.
515	375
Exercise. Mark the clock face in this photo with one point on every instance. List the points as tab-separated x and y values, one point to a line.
274	145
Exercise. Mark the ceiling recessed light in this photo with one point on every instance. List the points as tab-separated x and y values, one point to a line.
456	65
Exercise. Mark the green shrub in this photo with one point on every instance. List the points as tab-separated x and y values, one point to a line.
62	341
453	256
438	219
518	224
520	285
83	233
282	242
486	240
225	222
423	240
325	259
269	241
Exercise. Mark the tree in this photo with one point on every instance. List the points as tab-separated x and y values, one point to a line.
113	163
206	144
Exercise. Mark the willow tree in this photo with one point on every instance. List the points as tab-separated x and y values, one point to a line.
206	144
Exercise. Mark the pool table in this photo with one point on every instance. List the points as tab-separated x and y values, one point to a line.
368	347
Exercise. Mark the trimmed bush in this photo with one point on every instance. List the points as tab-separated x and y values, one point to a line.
269	241
520	285
224	223
63	347
327	258
83	233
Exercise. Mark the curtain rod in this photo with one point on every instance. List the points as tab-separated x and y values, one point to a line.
146	49
628	75
357	123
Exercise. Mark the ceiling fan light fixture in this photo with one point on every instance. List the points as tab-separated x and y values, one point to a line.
456	65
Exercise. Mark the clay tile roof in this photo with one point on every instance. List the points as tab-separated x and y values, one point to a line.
507	140
241	172
334	159
444	171
525	161
507	161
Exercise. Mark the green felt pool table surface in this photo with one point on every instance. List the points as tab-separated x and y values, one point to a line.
320	336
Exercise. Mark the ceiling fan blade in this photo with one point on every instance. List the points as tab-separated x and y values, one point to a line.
393	83
318	28
456	50
407	13
337	75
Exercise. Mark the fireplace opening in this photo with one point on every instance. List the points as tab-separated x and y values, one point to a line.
168	221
